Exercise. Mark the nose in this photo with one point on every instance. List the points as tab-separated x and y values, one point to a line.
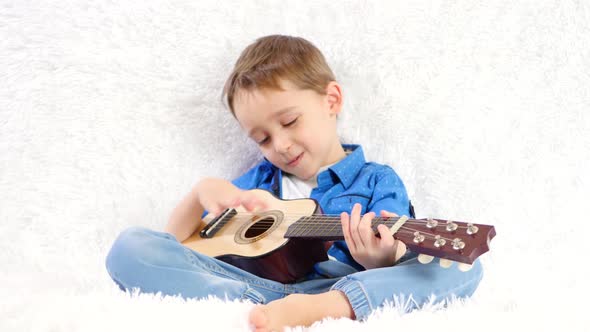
282	143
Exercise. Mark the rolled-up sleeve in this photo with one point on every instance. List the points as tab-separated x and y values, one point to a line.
389	194
252	178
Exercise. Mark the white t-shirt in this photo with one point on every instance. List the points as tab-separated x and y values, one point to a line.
294	187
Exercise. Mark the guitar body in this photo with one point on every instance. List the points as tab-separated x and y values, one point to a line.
255	242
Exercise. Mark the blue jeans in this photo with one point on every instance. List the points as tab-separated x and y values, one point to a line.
156	262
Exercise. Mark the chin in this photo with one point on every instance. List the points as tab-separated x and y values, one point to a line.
308	176
305	178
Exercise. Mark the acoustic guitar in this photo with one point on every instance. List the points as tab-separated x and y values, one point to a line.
283	242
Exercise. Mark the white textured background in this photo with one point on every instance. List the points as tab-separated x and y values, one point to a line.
110	112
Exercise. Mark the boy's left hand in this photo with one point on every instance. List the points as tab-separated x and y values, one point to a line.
365	247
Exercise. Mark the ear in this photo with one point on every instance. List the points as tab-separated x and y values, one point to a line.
334	97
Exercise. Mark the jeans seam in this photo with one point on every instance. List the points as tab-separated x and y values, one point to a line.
227	274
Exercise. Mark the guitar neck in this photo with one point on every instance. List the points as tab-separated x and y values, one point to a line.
453	240
329	228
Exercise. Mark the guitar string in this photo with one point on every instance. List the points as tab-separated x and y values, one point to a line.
264	224
408	230
402	230
332	216
329	222
329	219
308	215
303	214
302	230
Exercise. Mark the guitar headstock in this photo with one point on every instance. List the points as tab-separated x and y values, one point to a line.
449	240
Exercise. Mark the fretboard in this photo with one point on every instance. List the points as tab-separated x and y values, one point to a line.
328	228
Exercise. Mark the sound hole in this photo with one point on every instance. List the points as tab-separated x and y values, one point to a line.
259	227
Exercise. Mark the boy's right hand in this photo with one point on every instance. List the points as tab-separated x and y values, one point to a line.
216	195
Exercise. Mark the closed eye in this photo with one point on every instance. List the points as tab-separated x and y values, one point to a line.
290	123
262	142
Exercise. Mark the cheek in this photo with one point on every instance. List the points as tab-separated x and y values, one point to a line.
268	154
309	135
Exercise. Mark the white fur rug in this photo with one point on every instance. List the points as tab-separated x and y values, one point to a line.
110	112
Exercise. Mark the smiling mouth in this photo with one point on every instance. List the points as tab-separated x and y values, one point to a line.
296	160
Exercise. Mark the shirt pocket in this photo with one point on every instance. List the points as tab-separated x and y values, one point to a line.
346	202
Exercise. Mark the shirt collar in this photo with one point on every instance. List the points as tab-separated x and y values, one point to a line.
348	168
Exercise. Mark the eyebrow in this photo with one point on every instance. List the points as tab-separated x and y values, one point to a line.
276	114
284	110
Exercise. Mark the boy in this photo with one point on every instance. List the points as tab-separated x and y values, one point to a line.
285	97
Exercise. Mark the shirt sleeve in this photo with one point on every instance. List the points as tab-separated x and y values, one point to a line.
253	177
389	194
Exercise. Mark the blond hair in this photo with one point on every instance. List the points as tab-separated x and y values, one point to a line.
270	59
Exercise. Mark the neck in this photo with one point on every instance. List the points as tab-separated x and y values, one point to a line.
329	227
336	155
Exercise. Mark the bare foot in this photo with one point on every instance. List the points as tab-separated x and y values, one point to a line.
299	309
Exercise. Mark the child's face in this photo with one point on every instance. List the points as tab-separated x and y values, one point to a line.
295	129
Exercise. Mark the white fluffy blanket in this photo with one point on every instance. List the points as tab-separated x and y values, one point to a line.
110	112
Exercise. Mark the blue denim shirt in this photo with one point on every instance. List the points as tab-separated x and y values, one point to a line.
352	180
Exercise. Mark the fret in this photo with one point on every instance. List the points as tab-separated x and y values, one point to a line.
337	229
374	224
317	228
313	228
333	229
320	226
324	228
301	227
315	225
308	231
294	227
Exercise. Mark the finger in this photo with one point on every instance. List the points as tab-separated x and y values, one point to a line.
236	202
252	202
387	239
366	232
345	221
228	203
388	214
355	218
395	247
224	202
214	210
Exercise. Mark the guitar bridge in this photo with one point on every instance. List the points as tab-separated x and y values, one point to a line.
216	224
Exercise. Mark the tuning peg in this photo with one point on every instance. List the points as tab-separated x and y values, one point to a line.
464	267
418	238
472	229
451	226
425	259
439	241
431	223
445	263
